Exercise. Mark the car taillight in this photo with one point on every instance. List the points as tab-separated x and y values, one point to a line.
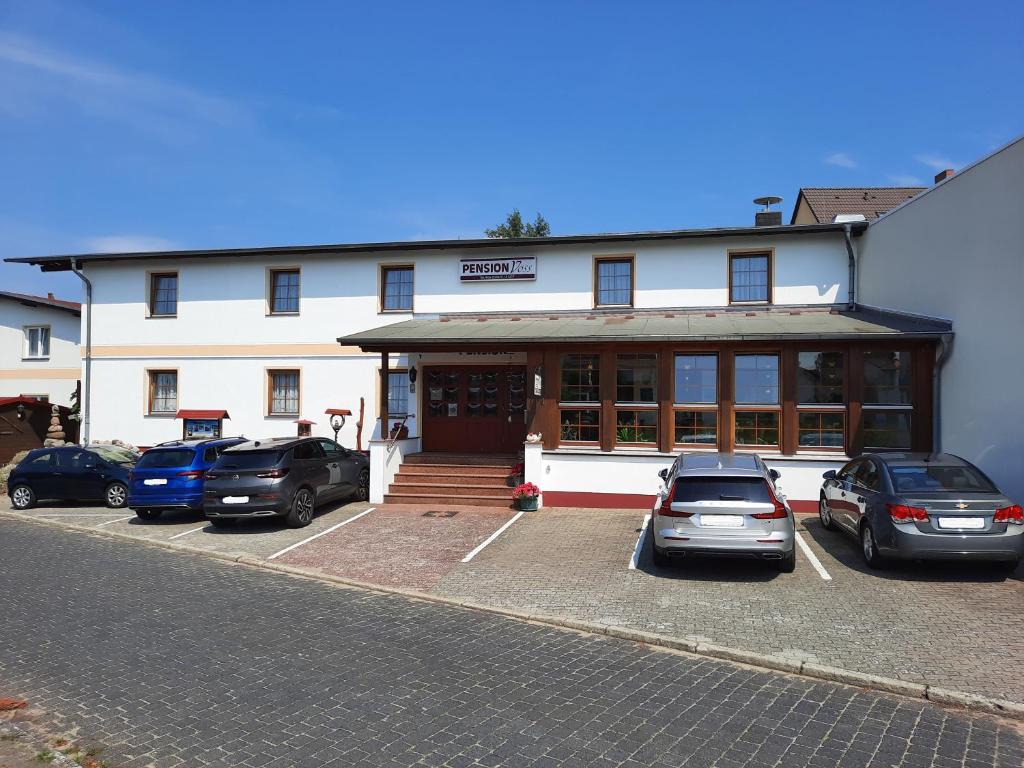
777	514
192	474
902	513
211	475
274	473
1014	515
666	505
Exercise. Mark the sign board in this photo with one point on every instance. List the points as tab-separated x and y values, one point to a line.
518	268
538	385
202	429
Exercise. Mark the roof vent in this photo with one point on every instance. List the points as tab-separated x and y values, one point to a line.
846	218
768	217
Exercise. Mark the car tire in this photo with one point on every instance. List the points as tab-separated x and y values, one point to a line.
363	485
869	547
658	557
222	522
825	514
302	510
22	497
116	496
788	562
147	514
1007	567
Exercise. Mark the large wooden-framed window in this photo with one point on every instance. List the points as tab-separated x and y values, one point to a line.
888	399
614	280
396	288
283	397
821	397
750	277
695	399
758	407
284	291
579	398
636	398
162	389
163	294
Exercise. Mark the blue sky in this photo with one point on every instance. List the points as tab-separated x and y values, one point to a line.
135	125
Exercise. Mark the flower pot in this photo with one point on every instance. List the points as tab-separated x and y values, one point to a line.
528	503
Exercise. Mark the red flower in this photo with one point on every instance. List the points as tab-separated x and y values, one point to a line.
526	491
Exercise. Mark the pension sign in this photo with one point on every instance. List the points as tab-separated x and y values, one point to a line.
519	268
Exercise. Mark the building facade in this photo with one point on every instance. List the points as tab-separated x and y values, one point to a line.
39	347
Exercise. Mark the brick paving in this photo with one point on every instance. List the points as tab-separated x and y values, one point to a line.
950	625
173	660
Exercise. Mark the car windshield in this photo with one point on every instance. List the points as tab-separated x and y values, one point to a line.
939	478
248	459
159	459
115	454
689	489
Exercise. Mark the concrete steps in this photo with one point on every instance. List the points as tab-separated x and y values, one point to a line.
444	478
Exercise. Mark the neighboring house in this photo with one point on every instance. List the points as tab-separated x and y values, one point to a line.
956	252
39	347
821	205
621	350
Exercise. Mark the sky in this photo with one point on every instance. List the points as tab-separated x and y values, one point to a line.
144	126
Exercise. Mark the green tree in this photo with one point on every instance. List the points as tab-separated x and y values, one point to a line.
513	227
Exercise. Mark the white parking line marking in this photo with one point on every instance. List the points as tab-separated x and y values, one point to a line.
635	559
491	538
119	520
322	533
186	533
812	557
77	514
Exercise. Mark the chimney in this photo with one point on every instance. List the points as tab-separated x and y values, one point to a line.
767	217
49	296
943	175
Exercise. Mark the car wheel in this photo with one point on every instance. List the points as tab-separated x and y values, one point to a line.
788	562
658	557
222	522
869	548
117	495
22	497
825	514
303	506
147	514
363	485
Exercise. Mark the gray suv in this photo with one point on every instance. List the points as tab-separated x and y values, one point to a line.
283	477
722	504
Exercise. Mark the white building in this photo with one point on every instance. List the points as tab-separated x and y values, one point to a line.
39	347
621	350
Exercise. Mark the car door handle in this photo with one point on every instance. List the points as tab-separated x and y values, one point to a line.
860	499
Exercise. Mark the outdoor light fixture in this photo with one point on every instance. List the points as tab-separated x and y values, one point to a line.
21	410
337	419
412	378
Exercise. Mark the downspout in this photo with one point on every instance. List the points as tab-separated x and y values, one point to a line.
848	235
86	400
942	353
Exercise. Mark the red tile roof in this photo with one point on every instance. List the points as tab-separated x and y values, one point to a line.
194	413
45	301
825	203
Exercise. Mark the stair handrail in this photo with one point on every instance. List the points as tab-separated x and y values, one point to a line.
392	441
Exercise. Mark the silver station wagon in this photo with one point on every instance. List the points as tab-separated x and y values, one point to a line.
722	504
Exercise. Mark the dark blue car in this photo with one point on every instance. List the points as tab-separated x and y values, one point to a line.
170	475
72	473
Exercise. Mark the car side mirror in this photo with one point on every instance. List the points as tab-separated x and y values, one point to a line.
830	475
663	474
774	474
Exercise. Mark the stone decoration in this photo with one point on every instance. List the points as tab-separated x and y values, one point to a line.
55	434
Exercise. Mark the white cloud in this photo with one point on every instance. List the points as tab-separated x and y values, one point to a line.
841	159
905	180
128	244
935	162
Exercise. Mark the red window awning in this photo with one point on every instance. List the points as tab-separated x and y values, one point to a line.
200	414
338	412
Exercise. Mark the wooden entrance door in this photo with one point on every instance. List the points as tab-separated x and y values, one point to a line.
474	409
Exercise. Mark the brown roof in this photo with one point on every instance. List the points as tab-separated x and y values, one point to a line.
42	301
826	203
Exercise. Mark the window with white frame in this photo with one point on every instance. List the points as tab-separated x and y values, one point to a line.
37	341
398	393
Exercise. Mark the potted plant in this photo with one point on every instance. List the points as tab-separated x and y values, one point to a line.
515	477
527	497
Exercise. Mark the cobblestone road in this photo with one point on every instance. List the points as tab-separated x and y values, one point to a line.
173	660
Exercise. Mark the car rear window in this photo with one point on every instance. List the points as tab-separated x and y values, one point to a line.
936	478
158	459
248	459
690	489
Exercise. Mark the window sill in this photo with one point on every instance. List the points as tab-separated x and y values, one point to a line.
749	303
283	314
408	311
161	317
282	416
162	415
35	359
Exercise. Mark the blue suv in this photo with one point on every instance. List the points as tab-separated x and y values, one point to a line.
170	475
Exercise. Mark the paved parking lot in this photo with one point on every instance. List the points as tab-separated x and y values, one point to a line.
950	625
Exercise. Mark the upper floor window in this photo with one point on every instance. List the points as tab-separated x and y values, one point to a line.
163	294
37	341
396	289
284	291
613	281
163	392
283	393
749	278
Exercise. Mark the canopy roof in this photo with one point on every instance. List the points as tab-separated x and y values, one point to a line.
788	323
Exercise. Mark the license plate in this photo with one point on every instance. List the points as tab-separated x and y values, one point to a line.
155	481
962	522
721	521
235	499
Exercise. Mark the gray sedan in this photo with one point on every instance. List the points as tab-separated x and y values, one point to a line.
922	506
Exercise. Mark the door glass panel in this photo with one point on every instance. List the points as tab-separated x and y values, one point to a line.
517	396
